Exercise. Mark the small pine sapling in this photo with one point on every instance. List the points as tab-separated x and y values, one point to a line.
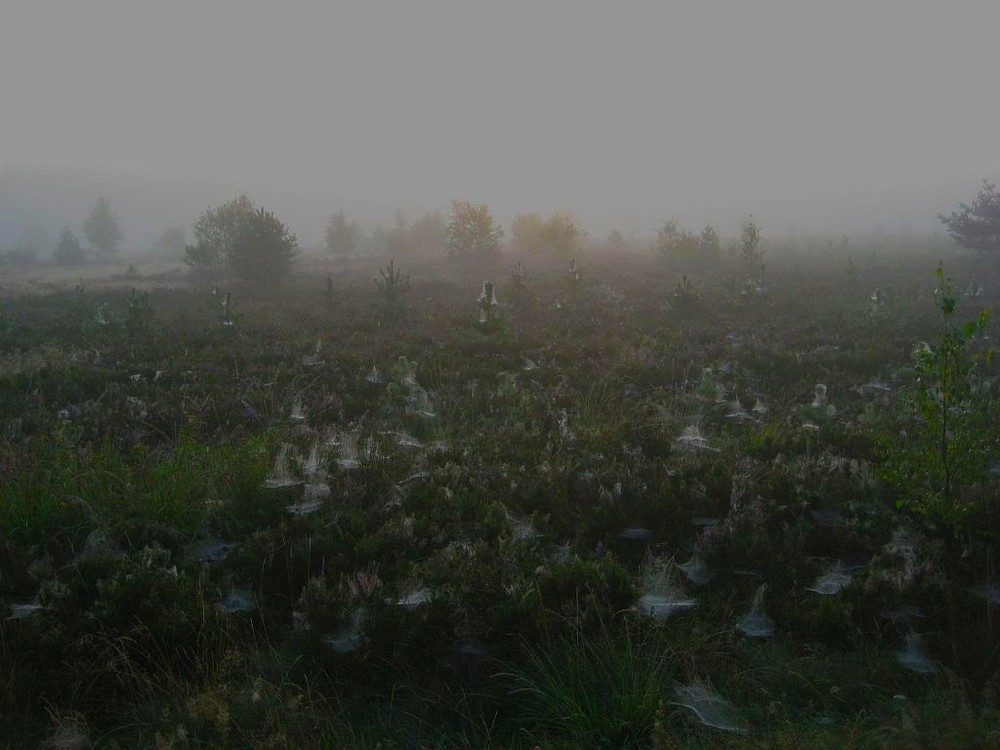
392	288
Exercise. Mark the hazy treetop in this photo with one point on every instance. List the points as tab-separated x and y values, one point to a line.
526	105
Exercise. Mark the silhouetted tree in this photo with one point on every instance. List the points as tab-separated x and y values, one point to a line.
69	251
342	236
528	233
263	249
709	240
562	235
102	229
977	227
750	236
472	231
672	240
215	233
558	234
427	234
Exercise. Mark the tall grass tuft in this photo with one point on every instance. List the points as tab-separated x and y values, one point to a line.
589	689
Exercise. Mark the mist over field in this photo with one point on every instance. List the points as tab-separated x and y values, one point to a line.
842	118
516	375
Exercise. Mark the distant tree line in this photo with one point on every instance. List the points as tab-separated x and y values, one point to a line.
251	243
101	230
424	236
469	231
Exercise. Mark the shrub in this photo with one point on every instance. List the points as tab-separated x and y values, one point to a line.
215	233
953	408
263	249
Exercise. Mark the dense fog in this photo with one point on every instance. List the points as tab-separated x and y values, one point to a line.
831	119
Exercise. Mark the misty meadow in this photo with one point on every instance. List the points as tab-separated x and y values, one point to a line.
445	487
512	376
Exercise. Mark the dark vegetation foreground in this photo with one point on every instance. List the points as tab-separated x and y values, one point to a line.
641	506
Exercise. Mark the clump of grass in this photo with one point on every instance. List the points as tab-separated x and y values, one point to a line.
591	689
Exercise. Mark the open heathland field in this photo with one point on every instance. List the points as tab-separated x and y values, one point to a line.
638	502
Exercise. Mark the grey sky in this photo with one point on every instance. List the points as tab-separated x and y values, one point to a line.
802	112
